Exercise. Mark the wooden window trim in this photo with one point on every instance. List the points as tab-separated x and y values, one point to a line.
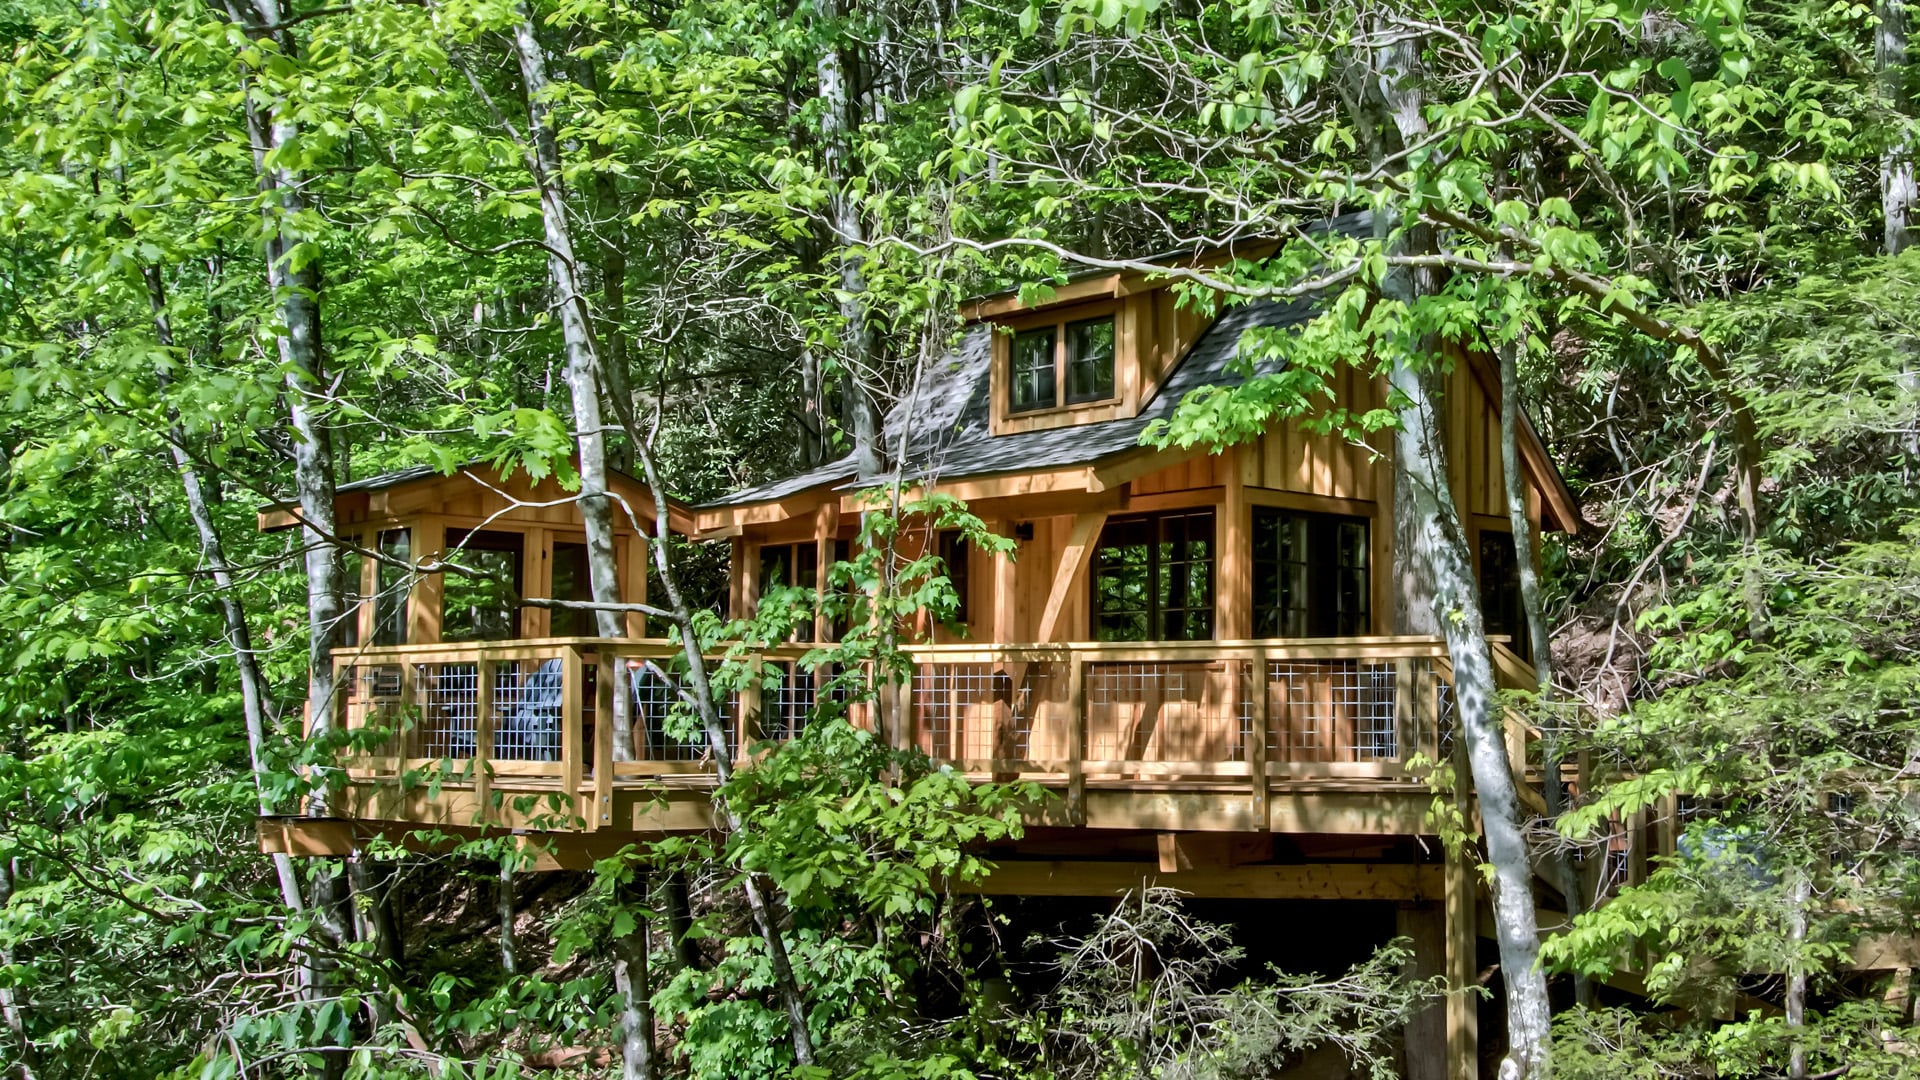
1057	320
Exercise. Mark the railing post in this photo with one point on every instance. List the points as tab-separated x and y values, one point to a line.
605	684
750	704
572	724
1260	701
485	673
1076	738
411	711
1406	718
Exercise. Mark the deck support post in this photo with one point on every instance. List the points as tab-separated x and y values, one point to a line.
1425	924
1463	932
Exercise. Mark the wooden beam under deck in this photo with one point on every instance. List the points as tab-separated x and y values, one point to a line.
1311	881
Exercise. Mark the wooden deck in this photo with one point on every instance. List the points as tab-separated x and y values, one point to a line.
1292	736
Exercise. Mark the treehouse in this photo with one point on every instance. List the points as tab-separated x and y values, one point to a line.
1195	653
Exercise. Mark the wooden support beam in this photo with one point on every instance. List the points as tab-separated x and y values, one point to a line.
1073	561
826	528
427	543
572	725
1311	881
1463	1003
1233	594
1180	851
536	569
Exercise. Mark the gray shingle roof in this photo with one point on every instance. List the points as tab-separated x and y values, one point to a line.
951	437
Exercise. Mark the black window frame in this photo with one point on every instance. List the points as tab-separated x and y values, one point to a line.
1164	536
1018	377
1025	380
1496	568
955	553
1338	593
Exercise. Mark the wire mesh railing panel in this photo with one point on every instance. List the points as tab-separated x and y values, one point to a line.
446	698
529	700
1332	711
371	697
1166	711
659	708
959	709
785	709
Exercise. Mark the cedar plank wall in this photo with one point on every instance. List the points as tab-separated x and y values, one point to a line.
1288	466
430	508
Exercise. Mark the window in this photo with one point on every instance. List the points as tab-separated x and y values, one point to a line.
392	581
1153	578
1031	385
1309	574
1500	604
1089	361
572	580
1066	363
953	552
799	565
482	606
352	565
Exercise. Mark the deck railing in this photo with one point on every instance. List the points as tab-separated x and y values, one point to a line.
532	715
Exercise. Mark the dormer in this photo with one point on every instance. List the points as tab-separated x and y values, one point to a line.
1096	350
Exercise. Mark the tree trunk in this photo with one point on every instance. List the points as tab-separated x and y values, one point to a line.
679	912
1898	191
1799	891
503	906
583	374
253	692
1429	517
630	980
295	283
584	381
1539	634
27	1064
857	348
757	888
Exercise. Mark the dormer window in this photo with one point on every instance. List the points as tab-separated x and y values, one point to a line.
1067	363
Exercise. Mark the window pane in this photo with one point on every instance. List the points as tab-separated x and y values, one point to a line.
390	606
1122	583
1090	360
481	608
1030	371
1184	576
1310	574
572	581
953	553
1500	604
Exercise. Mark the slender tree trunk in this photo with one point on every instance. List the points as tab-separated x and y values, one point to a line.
584	373
295	283
585	379
1440	544
1799	892
858	351
630	981
1898	190
503	906
1539	634
26	1065
253	693
759	890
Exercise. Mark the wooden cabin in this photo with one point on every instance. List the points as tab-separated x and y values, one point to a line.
1194	652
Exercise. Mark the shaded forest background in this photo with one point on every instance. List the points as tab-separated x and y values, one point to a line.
248	245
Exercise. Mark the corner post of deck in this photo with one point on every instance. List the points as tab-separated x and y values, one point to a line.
748	722
1259	701
607	680
1408	737
573	722
1076	737
485	674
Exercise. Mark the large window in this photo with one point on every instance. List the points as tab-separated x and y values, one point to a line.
392	580
481	606
953	553
1153	578
1500	604
572	581
1066	363
1309	574
799	565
